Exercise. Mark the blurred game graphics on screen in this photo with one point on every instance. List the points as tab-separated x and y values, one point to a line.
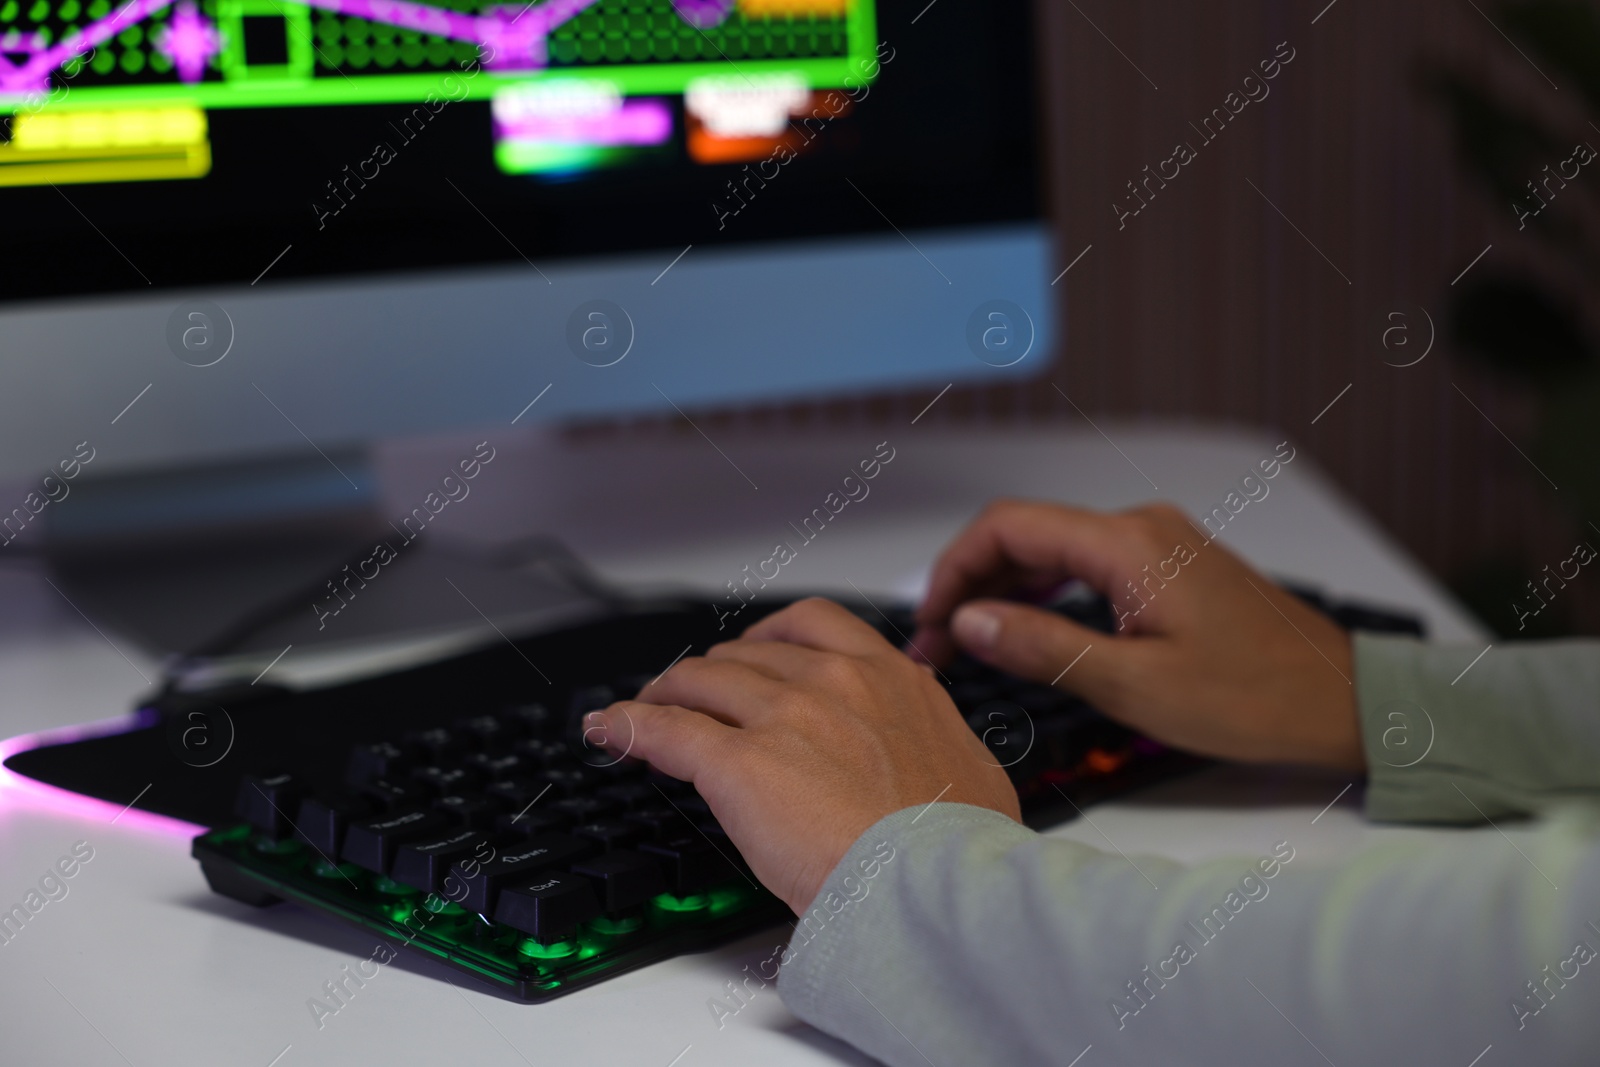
403	218
637	79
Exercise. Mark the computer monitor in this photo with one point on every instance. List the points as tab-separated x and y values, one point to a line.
234	227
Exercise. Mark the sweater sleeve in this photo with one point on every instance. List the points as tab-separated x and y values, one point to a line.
1454	739
952	935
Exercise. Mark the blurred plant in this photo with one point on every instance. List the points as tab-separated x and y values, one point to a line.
1525	328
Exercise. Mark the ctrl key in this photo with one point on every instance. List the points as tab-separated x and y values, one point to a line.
549	909
372	843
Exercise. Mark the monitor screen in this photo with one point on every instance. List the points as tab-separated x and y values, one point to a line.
156	144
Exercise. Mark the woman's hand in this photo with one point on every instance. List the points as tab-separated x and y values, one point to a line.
1209	656
800	735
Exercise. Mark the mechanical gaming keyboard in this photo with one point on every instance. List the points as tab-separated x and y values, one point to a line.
455	808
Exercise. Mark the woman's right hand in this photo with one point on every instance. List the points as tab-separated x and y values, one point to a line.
1209	656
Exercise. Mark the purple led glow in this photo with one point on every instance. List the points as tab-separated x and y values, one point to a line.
19	792
189	40
703	14
635	122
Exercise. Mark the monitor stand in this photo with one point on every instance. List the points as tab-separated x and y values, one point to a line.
245	558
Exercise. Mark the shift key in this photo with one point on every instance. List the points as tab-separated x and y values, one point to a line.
475	885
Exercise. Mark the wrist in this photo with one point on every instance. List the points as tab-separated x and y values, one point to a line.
1345	747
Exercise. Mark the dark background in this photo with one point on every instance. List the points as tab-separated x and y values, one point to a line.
1210	306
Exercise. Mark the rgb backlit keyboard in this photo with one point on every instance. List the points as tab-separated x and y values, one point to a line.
463	815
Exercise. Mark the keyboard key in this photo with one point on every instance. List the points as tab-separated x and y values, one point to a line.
569	780
321	821
590	698
371	843
480	882
690	863
611	768
584	809
470	810
629	686
395	796
541	752
549	909
968	695
268	801
625	879
1357	617
445	781
584	747
631	795
425	862
897	620
1039	701
994	717
519	793
612	833
660	822
379	759
442	746
1071	729
966	669
487	733
500	768
1012	737
531	822
1089	610
532	720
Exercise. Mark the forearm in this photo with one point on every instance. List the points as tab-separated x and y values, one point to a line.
1516	732
982	942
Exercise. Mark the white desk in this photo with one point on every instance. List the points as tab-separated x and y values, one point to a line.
160	971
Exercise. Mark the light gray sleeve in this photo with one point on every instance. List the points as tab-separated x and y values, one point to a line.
952	936
1453	740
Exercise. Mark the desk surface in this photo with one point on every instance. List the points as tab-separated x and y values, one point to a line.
141	963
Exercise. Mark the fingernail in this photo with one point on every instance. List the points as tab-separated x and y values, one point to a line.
976	627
